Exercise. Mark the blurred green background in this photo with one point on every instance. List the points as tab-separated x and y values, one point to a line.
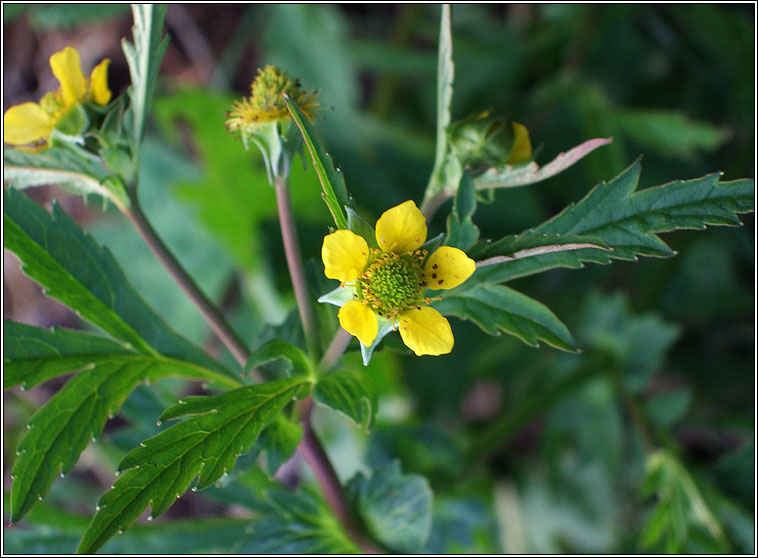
673	82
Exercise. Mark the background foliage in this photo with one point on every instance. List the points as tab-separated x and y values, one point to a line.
641	442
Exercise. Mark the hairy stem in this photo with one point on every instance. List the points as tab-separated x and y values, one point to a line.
295	265
212	315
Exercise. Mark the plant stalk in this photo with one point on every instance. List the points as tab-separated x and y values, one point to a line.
212	315
294	263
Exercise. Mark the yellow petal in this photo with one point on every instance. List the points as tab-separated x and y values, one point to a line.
98	83
522	147
401	229
26	123
426	331
68	70
358	319
447	268
345	255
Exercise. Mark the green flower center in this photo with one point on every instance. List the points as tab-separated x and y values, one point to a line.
393	283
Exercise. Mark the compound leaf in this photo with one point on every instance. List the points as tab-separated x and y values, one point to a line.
628	222
205	446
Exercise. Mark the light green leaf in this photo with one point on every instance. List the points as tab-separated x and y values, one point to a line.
75	270
445	73
669	133
298	523
396	508
144	59
495	308
278	443
511	176
351	393
680	507
461	230
205	446
333	183
57	165
628	222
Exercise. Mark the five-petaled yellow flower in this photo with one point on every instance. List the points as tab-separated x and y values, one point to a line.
30	124
388	283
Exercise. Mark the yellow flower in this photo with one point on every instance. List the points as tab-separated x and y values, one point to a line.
30	124
266	103
388	283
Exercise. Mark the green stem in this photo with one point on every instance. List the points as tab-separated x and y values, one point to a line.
212	315
295	265
514	420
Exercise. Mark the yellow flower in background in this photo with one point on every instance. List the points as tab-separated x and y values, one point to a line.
388	283
30	124
266	103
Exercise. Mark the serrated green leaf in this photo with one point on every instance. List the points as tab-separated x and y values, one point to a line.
495	308
629	222
332	182
32	355
461	231
75	270
298	523
396	508
60	430
144	59
56	165
278	443
350	392
277	349
204	446
49	530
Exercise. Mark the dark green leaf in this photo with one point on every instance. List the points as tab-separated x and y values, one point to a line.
361	227
32	355
461	230
60	430
396	508
205	446
349	392
276	349
629	222
278	443
495	308
333	183
298	523
74	269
